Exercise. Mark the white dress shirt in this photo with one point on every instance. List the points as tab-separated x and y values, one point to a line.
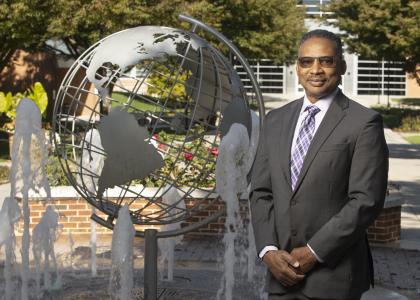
323	104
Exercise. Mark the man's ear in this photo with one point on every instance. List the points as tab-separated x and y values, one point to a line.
297	71
343	67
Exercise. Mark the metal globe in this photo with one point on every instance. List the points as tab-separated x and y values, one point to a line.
147	107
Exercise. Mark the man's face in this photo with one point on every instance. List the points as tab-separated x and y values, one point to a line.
321	77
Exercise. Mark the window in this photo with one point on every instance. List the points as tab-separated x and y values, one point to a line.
270	76
380	78
314	8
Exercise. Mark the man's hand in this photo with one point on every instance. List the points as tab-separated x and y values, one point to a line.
283	266
305	257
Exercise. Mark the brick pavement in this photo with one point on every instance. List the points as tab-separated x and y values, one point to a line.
396	269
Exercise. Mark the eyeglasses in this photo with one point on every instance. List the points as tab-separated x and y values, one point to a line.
324	61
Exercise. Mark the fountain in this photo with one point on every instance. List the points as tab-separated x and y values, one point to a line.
29	156
10	213
44	235
231	181
171	197
71	247
93	162
121	279
236	155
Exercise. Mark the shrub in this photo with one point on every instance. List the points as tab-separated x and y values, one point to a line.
55	172
4	174
404	119
9	103
411	123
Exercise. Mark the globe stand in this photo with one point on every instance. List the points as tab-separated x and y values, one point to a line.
150	264
151	248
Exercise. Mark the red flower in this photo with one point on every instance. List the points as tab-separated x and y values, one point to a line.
214	151
188	156
162	146
155	136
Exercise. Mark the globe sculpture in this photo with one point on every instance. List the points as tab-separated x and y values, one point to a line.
147	107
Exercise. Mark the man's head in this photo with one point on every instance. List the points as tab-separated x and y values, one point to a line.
320	63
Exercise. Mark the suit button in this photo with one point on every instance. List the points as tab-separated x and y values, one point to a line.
294	232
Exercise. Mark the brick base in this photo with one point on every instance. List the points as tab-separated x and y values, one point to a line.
387	226
75	218
74	215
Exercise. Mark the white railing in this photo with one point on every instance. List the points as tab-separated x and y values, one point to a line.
270	77
314	8
380	78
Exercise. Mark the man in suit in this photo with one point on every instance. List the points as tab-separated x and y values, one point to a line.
318	181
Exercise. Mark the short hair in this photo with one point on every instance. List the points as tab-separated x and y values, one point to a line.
322	33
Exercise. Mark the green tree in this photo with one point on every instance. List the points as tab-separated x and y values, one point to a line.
264	28
261	28
380	29
163	84
23	25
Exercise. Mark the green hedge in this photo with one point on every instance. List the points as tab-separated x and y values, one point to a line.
403	119
4	174
55	172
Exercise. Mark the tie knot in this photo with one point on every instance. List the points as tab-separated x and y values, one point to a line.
312	110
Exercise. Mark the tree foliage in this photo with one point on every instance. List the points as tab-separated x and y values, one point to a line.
260	28
23	25
377	29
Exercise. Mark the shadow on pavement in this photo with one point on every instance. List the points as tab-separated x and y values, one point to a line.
408	151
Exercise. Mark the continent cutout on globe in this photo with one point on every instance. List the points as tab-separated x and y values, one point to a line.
125	49
129	155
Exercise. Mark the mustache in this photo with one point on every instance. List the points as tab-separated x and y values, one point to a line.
316	78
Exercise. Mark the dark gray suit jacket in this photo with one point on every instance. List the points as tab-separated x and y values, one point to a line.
340	191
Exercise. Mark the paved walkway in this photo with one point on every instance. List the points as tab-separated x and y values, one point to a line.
397	270
405	171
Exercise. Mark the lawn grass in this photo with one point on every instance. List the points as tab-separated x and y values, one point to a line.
413	139
136	104
141	104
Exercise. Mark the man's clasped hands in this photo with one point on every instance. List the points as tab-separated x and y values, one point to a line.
290	268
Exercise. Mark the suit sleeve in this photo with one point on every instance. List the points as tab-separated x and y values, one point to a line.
366	193
261	198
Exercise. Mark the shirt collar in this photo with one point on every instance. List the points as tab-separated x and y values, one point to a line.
323	104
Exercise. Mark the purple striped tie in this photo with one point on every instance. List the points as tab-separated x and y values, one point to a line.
303	141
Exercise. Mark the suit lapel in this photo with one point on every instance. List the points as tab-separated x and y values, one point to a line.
288	130
334	115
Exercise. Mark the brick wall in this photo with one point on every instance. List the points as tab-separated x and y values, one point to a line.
387	226
74	215
75	218
216	227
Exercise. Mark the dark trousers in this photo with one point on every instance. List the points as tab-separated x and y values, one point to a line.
295	296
